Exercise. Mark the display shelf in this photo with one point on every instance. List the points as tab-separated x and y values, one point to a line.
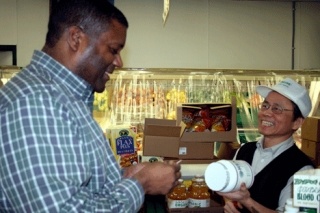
7	72
135	94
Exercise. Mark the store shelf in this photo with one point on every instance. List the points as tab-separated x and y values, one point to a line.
135	94
132	95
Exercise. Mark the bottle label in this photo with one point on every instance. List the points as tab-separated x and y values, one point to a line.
199	203
173	204
308	210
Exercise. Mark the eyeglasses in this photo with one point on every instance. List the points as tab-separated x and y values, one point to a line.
275	108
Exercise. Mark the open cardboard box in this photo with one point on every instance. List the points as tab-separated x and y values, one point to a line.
209	136
168	138
162	138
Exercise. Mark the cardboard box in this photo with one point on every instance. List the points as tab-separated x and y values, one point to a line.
196	150
310	129
227	150
312	149
162	138
306	189
208	136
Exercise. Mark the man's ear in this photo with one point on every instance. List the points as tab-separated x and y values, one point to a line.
297	123
74	37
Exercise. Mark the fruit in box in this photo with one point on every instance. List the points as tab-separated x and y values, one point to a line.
207	118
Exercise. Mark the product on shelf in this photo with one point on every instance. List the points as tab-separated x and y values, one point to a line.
178	197
207	118
101	102
123	143
199	195
135	99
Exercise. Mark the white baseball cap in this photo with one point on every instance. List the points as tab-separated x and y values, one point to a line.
291	90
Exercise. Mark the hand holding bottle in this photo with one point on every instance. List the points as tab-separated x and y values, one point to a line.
157	177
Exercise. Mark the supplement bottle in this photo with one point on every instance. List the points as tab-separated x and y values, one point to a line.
227	175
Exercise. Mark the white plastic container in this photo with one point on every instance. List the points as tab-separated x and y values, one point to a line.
227	175
289	208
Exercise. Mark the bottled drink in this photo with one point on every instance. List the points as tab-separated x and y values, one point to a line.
193	180
199	196
178	197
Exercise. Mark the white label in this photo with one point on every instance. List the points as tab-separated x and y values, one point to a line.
173	204
306	189
199	203
182	150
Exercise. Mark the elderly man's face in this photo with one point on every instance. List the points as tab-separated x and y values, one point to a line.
274	125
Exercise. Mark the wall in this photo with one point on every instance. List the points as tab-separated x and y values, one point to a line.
197	34
308	36
22	23
33	16
8	29
221	34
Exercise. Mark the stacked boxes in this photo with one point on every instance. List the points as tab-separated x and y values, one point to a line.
310	135
179	139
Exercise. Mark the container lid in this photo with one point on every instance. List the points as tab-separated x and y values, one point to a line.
216	176
291	209
289	201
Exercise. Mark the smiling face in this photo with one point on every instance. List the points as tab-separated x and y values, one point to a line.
98	57
277	127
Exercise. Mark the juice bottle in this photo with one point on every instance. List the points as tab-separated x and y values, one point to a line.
193	180
178	197
189	189
199	196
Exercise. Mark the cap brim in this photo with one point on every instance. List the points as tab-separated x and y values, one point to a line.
263	90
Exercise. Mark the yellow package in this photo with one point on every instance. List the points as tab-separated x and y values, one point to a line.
124	146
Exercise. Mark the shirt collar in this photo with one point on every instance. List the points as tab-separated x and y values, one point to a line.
276	148
58	73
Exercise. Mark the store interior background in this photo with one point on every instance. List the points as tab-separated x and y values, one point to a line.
198	34
203	37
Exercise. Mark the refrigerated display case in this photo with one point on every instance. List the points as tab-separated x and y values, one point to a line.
132	94
7	72
135	94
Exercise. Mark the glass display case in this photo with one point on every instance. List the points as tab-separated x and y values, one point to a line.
135	94
132	95
7	72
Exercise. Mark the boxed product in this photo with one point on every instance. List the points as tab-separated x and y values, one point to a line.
310	129
163	138
208	122
122	140
306	190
